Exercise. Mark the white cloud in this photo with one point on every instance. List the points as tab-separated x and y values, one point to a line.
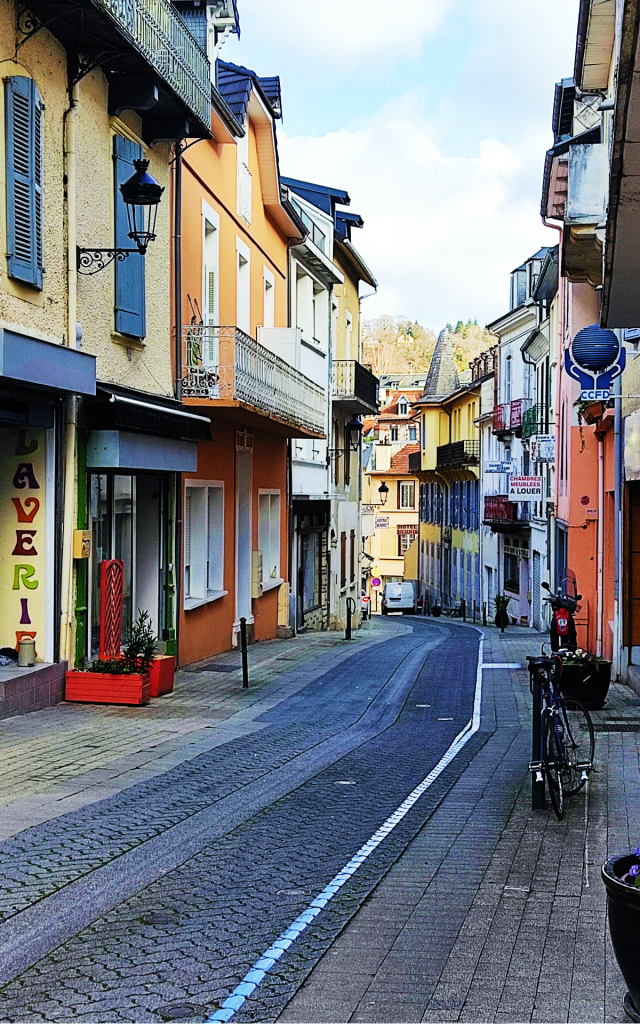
353	30
442	232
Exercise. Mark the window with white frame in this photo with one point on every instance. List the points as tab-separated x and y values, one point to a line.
243	294
407	495
268	315
203	542
269	536
403	406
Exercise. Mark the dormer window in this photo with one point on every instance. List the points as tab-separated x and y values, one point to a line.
403	406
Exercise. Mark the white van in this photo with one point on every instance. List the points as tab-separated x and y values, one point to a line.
398	597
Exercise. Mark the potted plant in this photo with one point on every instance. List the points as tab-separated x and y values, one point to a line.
502	603
122	680
621	876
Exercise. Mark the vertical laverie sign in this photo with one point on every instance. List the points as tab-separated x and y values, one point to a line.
22	537
595	358
525	488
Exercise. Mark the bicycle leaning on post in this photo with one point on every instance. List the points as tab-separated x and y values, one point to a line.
563	741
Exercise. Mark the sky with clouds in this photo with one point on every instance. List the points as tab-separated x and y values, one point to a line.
435	116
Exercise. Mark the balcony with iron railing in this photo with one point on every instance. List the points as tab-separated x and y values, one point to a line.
223	367
130	39
535	421
519	407
501	418
458	455
353	386
415	462
498	510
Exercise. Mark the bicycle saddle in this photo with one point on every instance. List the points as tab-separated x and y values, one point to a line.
538	659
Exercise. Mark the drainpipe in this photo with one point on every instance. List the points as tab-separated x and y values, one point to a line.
69	509
600	550
177	308
558	354
618	485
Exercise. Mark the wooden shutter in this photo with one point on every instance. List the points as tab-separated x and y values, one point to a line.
352	553
24	160
343	560
130	317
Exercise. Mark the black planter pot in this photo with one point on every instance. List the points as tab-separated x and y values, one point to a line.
436	611
502	619
587	683
623	904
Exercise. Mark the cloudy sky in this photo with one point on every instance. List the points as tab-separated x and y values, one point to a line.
434	115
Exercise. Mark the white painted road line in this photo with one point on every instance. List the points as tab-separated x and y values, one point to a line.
503	664
254	977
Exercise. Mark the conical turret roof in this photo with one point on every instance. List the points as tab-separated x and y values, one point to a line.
442	378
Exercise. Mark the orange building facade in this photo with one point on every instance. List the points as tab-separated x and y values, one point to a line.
235	231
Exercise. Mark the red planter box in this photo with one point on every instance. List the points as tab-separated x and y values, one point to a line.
161	674
101	688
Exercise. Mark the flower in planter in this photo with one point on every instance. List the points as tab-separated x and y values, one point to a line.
632	877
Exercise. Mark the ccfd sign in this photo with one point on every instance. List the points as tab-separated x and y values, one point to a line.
595	358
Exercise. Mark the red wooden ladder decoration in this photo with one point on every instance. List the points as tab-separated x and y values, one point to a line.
111	597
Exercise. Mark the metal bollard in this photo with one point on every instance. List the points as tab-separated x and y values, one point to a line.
474	613
351	607
243	648
537	775
464	610
484	613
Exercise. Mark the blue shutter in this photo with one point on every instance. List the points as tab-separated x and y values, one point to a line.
130	292
24	108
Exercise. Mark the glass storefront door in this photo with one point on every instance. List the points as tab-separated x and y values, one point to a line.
128	514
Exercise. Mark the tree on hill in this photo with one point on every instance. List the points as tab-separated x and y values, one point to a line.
398	345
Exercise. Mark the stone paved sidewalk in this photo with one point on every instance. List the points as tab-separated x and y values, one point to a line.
495	912
65	757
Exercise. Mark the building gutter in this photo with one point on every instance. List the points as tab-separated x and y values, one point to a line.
69	507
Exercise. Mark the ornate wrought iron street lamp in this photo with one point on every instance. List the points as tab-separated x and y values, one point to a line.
141	194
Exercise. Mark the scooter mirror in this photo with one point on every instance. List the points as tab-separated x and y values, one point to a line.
578	597
545	586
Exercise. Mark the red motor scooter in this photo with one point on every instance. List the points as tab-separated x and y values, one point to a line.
563	603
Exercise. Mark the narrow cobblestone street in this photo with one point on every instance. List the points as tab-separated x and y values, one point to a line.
198	829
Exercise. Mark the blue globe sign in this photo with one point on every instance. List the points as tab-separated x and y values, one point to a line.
594	358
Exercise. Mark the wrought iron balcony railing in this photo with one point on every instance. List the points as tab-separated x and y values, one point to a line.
535	421
354	386
224	363
518	408
159	33
500	418
498	509
458	454
415	462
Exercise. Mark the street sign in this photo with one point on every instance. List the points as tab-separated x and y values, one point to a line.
498	467
382	523
543	448
375	582
525	488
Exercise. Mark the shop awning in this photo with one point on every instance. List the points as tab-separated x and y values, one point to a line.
47	364
119	408
119	449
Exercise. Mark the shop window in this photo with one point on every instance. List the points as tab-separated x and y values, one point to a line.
269	537
203	542
512	573
406	495
130	306
24	176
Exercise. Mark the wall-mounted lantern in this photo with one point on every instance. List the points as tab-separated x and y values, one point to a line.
141	194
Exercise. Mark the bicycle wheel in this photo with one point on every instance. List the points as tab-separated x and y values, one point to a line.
553	758
579	741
